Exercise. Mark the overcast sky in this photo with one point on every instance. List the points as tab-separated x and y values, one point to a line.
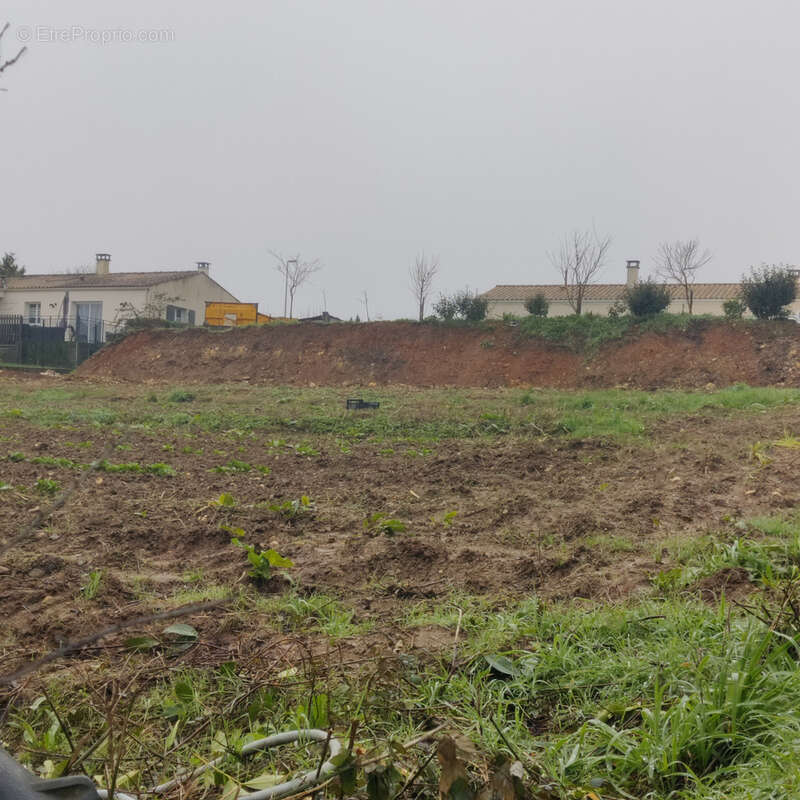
361	132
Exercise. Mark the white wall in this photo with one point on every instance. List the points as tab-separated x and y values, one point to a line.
12	301
561	309
193	292
557	308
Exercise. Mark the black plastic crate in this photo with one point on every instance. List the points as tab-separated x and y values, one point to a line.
354	404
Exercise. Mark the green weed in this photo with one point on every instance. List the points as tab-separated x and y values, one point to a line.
47	486
382	523
262	561
292	509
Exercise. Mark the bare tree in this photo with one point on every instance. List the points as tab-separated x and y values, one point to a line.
679	261
580	257
422	274
365	301
295	273
4	65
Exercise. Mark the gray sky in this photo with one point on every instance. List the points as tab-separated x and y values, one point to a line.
360	132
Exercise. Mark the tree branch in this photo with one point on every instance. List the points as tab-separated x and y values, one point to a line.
11	61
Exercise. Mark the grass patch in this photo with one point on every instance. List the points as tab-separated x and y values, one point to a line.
657	699
314	612
406	416
587	332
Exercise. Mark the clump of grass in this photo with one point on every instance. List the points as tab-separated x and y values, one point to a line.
181	396
92	586
159	468
233	466
106	466
52	461
316	611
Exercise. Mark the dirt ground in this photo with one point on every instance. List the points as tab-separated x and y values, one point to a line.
565	519
440	355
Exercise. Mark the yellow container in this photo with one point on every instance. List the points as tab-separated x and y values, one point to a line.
233	314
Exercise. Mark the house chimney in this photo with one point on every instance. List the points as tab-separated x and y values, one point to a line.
633	273
203	266
103	263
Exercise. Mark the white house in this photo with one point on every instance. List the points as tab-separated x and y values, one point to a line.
599	298
82	301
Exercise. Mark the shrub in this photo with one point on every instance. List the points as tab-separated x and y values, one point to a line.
464	305
647	298
537	306
734	309
768	290
445	308
472	307
618	309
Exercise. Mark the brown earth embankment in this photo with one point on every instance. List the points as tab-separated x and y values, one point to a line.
382	353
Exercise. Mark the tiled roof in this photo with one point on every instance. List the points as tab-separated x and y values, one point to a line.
607	291
90	280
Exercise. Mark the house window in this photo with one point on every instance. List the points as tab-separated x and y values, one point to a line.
33	313
177	314
89	322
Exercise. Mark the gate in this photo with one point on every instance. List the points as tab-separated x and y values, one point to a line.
11	338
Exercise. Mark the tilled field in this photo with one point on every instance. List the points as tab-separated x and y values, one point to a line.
106	515
559	517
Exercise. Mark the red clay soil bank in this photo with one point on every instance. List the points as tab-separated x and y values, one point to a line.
439	355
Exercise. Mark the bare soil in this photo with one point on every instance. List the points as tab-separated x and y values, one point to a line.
566	520
345	354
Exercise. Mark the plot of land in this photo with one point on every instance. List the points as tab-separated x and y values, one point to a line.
443	528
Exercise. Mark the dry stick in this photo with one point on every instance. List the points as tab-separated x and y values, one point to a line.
61	722
312	790
352	740
78	762
407	785
78	644
406	745
508	745
455	643
324	753
10	699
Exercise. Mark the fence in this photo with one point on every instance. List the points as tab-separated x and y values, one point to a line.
51	341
